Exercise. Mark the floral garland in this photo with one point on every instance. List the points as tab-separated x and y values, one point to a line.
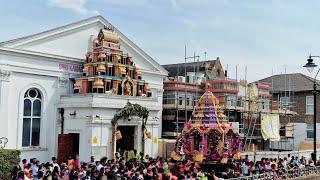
131	110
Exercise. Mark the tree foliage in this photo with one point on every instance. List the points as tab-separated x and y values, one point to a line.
8	160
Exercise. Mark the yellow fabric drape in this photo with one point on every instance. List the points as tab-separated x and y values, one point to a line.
270	126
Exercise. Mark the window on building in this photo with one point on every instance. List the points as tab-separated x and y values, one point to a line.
31	118
180	100
188	101
188	78
231	100
309	105
282	130
264	104
284	102
310	131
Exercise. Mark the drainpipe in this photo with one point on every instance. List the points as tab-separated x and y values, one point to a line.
62	119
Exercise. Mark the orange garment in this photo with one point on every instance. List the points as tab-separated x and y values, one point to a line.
71	164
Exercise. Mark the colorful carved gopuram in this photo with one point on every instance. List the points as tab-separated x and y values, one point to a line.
108	70
208	136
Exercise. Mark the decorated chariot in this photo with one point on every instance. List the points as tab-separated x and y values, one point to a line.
208	136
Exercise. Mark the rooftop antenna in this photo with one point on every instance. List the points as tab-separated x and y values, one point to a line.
236	72
185	83
227	70
194	79
205	55
285	81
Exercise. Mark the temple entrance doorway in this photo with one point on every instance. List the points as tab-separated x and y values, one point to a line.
68	145
126	143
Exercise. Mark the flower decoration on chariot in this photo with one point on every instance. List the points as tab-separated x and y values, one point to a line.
237	155
175	156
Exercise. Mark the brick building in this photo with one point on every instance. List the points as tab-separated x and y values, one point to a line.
295	93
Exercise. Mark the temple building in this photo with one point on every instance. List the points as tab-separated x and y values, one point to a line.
59	90
109	70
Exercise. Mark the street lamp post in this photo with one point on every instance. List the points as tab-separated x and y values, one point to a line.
310	67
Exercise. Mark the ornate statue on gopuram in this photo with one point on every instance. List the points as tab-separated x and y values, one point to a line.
109	70
208	136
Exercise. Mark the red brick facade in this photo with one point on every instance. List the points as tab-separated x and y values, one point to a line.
299	106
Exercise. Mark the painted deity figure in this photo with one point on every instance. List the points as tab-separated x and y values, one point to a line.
127	89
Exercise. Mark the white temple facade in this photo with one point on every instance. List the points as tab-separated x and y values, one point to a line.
38	103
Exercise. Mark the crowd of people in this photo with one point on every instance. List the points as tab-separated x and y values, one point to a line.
137	166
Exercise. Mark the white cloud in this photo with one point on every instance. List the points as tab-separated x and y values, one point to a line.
191	24
74	5
173	3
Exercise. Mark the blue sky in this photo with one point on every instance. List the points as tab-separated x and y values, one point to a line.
266	36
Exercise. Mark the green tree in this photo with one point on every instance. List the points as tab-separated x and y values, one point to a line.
8	160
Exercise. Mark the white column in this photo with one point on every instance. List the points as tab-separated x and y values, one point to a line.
4	108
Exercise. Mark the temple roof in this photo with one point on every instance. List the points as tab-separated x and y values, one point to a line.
71	41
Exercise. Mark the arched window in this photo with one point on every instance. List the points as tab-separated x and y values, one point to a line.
31	118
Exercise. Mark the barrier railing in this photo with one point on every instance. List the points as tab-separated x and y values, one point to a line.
296	173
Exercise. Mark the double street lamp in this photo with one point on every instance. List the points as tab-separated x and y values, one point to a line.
310	66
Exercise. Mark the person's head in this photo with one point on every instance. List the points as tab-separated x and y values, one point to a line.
212	173
40	174
92	158
54	159
31	160
28	165
21	174
56	169
24	161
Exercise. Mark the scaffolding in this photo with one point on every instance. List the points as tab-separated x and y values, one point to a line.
246	109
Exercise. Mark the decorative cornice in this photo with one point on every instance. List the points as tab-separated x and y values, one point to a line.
33	54
5	75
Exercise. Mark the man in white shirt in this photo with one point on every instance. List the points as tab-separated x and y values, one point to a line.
55	163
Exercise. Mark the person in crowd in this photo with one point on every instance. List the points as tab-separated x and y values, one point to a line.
24	163
77	162
138	166
35	167
91	162
54	162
